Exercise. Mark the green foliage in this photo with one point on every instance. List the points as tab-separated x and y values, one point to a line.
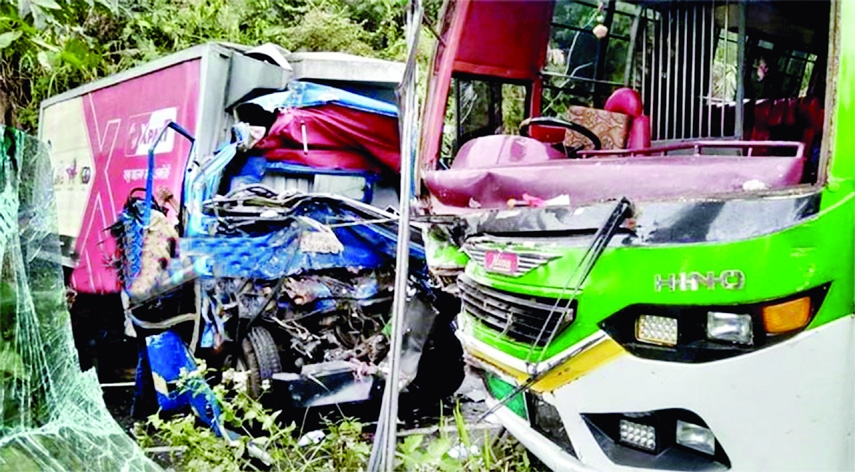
513	107
12	365
46	47
313	34
344	446
197	448
50	46
575	53
460	452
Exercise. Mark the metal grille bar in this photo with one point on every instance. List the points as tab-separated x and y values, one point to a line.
517	316
680	72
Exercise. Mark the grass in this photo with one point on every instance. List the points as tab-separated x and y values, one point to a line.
184	444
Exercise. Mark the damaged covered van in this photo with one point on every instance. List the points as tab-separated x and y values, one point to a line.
272	252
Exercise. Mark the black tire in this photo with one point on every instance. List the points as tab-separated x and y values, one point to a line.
441	368
261	357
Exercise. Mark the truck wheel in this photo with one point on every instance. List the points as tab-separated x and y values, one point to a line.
261	357
441	369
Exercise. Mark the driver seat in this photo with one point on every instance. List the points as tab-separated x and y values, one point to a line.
621	124
628	101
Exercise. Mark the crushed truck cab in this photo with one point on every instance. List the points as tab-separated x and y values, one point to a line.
246	194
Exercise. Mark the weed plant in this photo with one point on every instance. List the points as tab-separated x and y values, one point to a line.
344	446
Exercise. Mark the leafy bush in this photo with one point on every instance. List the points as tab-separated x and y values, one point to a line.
50	46
313	34
344	445
195	447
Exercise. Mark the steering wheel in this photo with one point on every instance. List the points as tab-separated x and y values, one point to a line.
548	121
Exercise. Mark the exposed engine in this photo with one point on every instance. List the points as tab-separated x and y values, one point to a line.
334	316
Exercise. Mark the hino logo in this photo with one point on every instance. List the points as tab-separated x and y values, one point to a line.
690	281
501	262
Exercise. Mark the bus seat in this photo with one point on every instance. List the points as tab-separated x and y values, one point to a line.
810	110
628	101
789	119
621	123
625	101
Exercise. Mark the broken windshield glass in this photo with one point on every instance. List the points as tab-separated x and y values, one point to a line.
52	415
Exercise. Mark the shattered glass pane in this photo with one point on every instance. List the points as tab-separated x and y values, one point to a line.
52	415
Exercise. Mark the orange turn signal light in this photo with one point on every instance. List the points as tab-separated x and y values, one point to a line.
787	316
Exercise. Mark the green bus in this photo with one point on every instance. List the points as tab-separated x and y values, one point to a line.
646	211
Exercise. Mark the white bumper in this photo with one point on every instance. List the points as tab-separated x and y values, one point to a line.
543	448
788	407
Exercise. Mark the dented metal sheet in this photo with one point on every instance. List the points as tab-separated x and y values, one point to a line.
655	222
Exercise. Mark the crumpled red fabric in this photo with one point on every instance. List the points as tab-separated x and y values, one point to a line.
337	137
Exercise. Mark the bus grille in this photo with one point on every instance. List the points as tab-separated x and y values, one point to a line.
520	317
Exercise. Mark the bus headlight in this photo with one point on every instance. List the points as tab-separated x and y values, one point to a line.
642	436
695	437
669	439
656	330
730	327
705	333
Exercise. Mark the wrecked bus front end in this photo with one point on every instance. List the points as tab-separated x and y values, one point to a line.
647	249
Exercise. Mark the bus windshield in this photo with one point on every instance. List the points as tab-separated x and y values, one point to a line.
651	100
